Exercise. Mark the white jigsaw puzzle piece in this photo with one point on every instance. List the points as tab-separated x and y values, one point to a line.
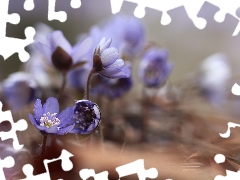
229	7
137	167
192	8
87	173
52	14
29	5
7	162
76	4
228	132
20	125
67	165
8	45
230	175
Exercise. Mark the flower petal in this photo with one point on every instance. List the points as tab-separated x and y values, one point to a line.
51	106
65	116
104	44
65	130
33	120
44	50
125	72
56	39
81	49
109	56
118	64
38	110
52	129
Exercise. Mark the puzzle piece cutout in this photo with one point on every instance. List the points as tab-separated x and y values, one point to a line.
67	165
228	132
52	14
137	167
230	175
87	173
20	125
8	45
192	8
7	162
236	89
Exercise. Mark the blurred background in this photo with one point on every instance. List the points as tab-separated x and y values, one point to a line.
188	47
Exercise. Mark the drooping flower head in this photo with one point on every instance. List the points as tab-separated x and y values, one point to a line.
19	90
106	62
47	118
60	53
87	117
154	67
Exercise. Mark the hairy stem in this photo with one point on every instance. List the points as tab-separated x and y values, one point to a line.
44	141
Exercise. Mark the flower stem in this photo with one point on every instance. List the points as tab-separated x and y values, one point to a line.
62	87
88	84
88	98
44	141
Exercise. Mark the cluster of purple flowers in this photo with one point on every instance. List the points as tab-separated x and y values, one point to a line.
107	51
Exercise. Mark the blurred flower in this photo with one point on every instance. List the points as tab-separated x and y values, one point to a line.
112	88
61	54
77	78
43	73
127	33
48	119
19	90
215	73
87	117
154	67
106	62
42	30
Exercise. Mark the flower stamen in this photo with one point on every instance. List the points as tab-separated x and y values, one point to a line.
48	120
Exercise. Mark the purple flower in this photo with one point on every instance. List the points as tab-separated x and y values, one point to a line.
87	117
127	33
48	119
61	54
106	62
19	90
111	88
154	67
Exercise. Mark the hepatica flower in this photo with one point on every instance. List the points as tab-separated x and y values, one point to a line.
47	118
154	67
87	117
107	63
58	51
19	90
